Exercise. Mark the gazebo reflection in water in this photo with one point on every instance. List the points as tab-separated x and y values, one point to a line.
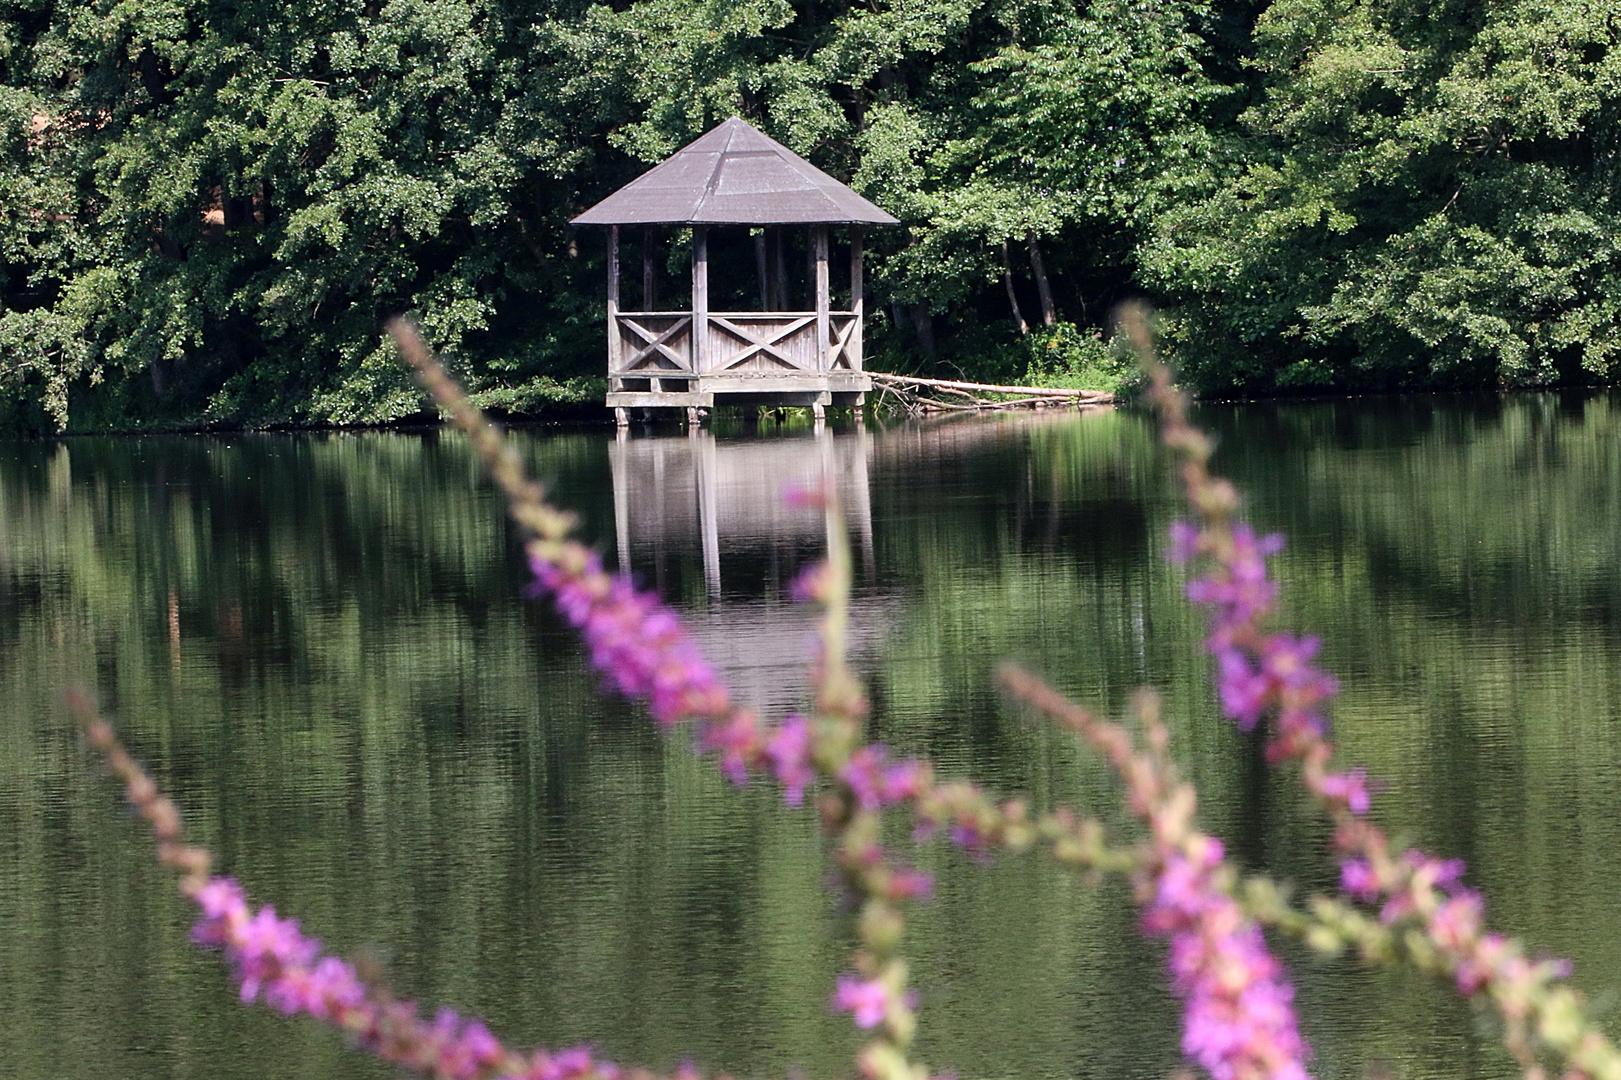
679	495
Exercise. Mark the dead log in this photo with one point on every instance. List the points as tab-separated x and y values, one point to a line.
990	388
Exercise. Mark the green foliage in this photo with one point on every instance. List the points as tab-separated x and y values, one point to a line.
1416	196
1064	355
207	211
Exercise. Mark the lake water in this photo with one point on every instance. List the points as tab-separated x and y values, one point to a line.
317	642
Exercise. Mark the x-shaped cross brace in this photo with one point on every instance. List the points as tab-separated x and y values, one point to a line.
756	343
841	340
655	343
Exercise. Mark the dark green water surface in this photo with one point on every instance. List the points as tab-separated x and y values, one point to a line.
317	642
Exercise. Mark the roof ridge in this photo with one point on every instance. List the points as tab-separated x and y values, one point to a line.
734	174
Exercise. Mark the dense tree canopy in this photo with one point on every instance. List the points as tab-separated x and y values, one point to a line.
207	208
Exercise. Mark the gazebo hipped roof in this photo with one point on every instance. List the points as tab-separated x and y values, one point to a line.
734	175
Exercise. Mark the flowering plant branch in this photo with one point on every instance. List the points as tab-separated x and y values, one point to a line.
273	959
1268	681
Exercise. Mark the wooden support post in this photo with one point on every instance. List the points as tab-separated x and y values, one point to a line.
649	281
823	337
614	342
858	302
700	297
760	270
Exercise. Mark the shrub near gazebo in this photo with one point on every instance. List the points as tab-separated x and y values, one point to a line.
735	176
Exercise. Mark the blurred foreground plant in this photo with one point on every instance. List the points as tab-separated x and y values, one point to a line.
1238	1021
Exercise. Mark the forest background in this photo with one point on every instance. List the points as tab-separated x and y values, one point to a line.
208	207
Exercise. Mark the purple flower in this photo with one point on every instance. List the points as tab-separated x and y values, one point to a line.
812	583
877	783
265	948
1242	689
788	750
735	741
1239	1018
1242	592
1185	538
864	772
904	780
1457	921
1351	787
1358	879
867	999
909	884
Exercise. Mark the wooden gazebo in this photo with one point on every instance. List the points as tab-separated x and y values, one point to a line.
735	176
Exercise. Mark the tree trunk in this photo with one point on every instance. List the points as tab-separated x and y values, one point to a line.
1049	314
1013	297
923	326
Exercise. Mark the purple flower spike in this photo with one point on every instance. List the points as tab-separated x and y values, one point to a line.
877	783
635	641
1242	689
867	999
788	750
1350	786
1239	1020
272	958
904	780
1184	542
735	741
1358	880
864	772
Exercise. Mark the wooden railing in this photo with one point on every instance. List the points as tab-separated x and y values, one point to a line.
748	344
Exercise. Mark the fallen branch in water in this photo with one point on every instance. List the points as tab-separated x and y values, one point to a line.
992	388
919	395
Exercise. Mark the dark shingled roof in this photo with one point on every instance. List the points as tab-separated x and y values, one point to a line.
734	175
